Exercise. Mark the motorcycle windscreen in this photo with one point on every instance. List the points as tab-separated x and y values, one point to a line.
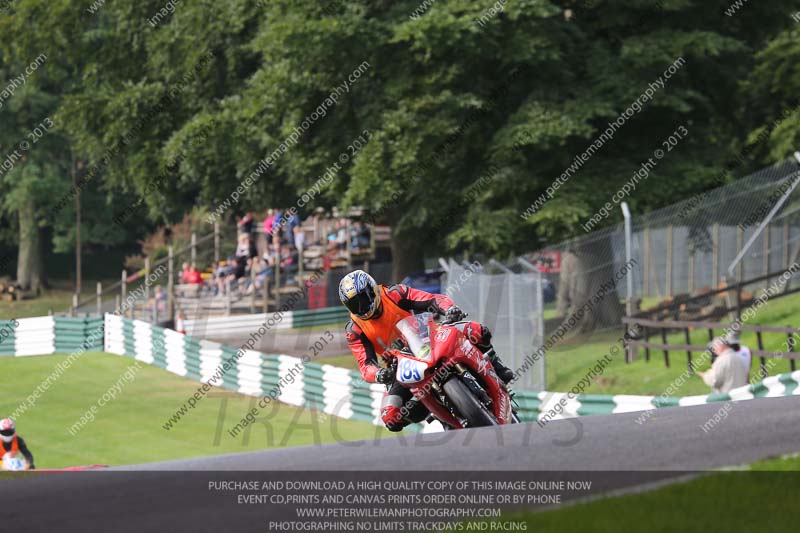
416	331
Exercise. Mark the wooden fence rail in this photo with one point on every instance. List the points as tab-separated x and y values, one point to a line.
638	332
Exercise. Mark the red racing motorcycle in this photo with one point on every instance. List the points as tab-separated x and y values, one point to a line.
449	375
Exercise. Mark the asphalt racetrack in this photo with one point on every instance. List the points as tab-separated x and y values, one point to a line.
613	450
672	439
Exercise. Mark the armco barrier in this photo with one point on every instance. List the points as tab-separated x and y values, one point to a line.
49	335
242	325
317	317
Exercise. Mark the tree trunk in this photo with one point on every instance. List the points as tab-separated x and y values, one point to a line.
588	276
407	254
30	275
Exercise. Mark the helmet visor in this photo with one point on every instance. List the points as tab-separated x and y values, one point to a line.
361	304
7	432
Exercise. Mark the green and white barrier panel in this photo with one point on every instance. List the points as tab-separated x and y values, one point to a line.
342	392
50	335
555	405
221	326
333	390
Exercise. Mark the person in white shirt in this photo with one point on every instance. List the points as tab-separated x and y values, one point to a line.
729	370
733	340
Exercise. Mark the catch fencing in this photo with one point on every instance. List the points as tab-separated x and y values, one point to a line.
511	305
688	247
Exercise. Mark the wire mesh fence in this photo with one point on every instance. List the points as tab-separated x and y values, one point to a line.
510	304
699	245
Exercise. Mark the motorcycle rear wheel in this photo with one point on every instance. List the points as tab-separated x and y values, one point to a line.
471	409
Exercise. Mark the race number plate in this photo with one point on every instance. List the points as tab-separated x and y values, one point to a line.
410	370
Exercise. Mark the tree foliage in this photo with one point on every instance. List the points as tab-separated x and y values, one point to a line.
448	94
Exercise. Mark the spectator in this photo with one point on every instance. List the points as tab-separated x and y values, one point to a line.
159	304
268	223
299	238
195	277
742	351
728	370
359	239
185	273
292	222
277	233
337	239
224	271
245	224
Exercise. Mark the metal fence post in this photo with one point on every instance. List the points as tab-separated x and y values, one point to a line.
99	298
194	248
348	242
170	284
760	340
123	291
266	294
715	255
739	244
146	277
252	285
277	279
216	243
228	297
626	213
670	244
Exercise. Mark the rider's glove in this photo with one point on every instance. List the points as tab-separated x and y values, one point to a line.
454	314
384	376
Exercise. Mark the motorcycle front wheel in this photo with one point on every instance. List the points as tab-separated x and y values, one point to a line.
468	406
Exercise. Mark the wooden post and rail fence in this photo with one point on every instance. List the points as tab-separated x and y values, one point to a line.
639	332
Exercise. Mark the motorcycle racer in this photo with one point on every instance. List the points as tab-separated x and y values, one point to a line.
12	443
374	310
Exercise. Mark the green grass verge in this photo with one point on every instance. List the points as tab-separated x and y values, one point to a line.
129	430
764	498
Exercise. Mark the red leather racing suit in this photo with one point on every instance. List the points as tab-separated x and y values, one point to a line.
366	350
